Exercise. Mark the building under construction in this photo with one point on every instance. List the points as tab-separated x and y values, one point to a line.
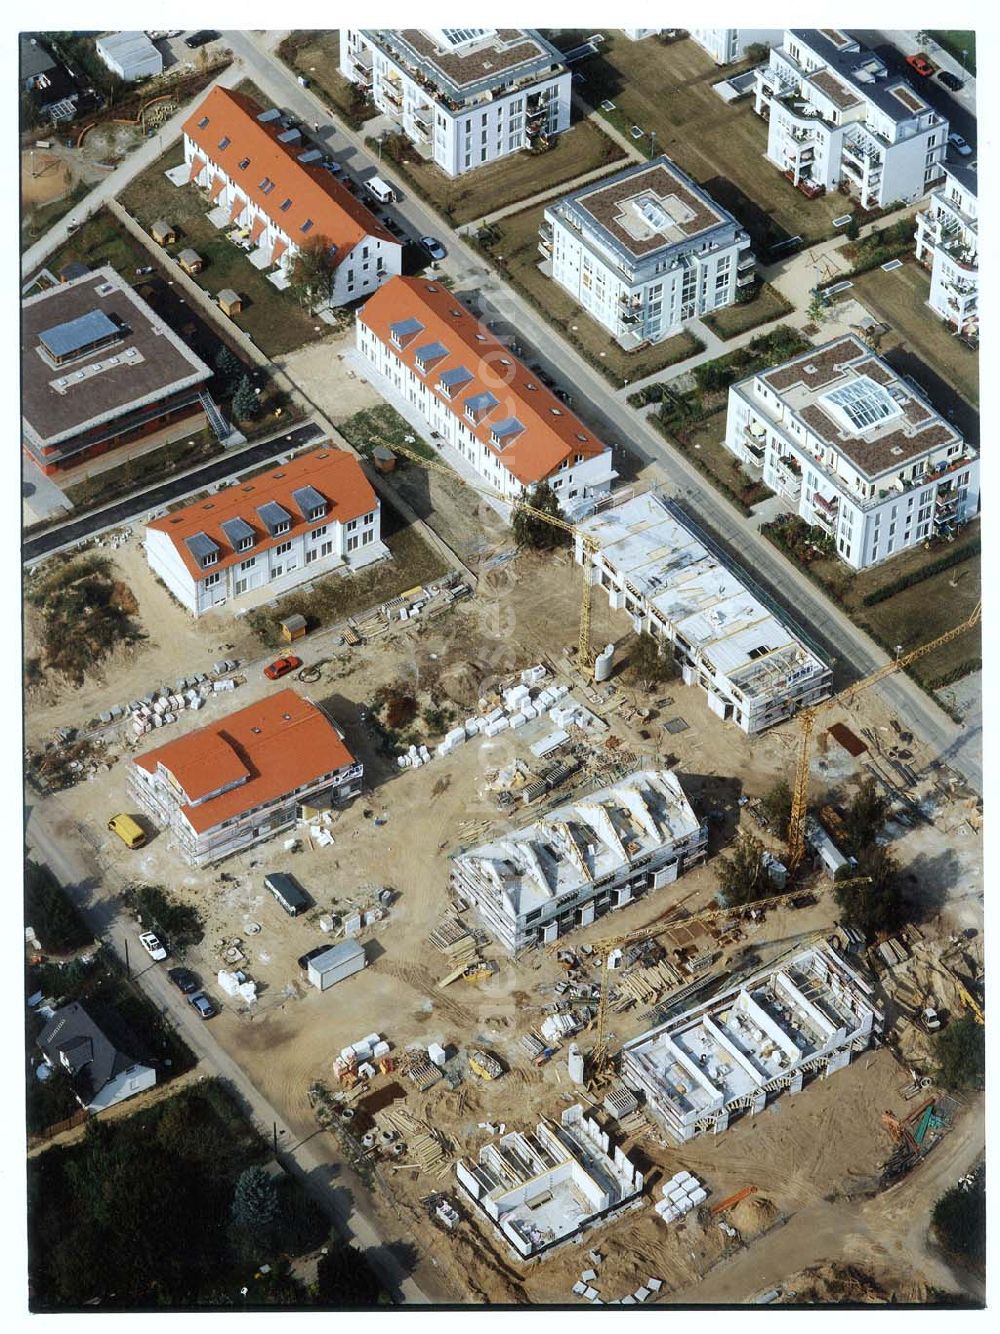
538	1189
805	1016
582	860
755	671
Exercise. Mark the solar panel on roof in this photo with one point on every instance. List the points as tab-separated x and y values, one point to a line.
62	340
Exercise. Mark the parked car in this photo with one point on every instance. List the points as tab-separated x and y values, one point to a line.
281	667
152	945
960	146
201	38
950	80
921	64
183	979
434	248
203	1005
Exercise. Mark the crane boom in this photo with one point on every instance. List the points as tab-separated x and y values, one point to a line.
807	720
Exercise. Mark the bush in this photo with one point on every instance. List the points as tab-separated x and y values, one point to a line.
742	876
959	1219
961	1054
875	908
180	923
529	529
651	663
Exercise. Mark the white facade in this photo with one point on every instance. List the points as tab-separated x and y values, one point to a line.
645	251
726	45
130	55
876	490
583	860
836	115
463	97
541	1188
754	670
308	554
948	244
803	1018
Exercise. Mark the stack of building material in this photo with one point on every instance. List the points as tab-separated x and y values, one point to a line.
682	1193
422	1073
398	1120
454	939
645	986
429	1151
558	1026
533	1045
620	1102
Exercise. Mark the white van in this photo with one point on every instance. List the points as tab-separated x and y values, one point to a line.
380	190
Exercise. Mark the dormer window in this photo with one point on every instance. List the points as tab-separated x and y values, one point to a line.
275	518
403	331
203	549
452	380
311	504
479	405
428	355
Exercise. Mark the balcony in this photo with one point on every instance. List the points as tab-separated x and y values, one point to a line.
788	475
392	94
745	277
754	445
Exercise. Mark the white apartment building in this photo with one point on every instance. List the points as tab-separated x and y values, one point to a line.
270	188
584	859
948	245
803	1018
754	670
726	45
860	452
837	117
471	391
462	96
645	251
269	533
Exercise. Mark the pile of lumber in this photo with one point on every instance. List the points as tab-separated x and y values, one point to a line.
645	986
430	1152
454	939
398	1119
423	1073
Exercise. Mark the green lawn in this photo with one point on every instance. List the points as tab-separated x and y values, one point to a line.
274	320
382	425
580	150
957	41
667	88
316	55
766	306
702	445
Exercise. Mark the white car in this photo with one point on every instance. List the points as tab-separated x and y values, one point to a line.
959	145
151	944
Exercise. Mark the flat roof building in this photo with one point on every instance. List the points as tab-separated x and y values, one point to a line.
263	177
948	244
858	449
222	788
754	670
130	55
469	387
539	1189
462	96
100	369
646	251
296	522
583	859
805	1016
836	115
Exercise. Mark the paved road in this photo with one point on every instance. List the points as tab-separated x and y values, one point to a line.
186	484
333	1186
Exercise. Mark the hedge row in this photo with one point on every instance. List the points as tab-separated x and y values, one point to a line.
957	673
945	562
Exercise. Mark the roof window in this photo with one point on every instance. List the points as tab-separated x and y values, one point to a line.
286	205
556	412
225	141
244	163
267	185
307	225
203	122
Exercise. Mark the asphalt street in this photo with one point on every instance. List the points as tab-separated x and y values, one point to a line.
185	484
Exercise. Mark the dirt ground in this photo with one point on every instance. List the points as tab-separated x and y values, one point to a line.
400	834
339	395
44	177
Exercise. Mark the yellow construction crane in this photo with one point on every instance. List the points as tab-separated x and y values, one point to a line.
585	655
806	720
606	947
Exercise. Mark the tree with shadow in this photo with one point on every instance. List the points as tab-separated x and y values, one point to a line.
529	529
742	876
875	905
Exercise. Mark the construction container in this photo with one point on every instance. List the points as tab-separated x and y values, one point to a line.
437	1054
336	963
292	628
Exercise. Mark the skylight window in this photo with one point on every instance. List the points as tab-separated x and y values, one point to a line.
244	163
861	404
225	141
203	123
307	225
267	185
286	205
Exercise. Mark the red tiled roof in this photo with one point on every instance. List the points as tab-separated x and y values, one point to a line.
335	474
280	247
282	742
218	185
197	167
256	227
551	432
315	196
237	207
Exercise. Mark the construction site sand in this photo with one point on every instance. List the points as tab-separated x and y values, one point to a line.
827	1140
44	177
753	1216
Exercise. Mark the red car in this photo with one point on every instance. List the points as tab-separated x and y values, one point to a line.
281	667
921	64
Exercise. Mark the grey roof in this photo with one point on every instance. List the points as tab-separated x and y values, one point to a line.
456	376
128	47
228	296
406	328
346	952
483	402
34	58
508	426
849	66
62	340
308	499
200	546
967	176
237	530
272	515
95	1053
431	352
